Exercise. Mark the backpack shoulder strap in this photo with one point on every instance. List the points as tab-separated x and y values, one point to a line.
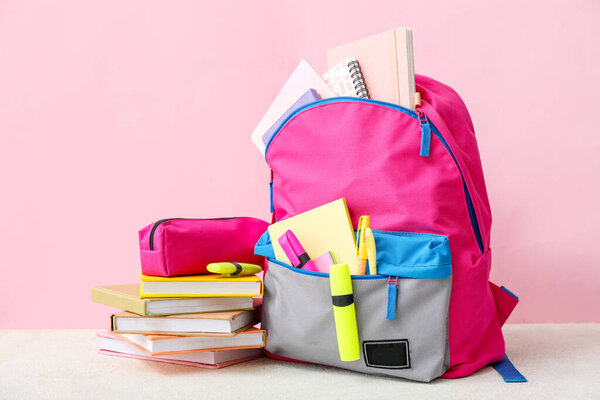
507	370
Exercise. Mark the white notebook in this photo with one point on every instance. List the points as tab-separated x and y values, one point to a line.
300	81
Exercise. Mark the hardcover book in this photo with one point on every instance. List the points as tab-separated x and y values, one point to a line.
127	297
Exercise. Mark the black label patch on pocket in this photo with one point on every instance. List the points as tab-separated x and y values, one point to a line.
390	354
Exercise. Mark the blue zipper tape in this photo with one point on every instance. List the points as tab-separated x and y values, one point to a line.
324	274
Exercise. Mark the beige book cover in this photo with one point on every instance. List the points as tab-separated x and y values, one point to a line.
386	62
125	297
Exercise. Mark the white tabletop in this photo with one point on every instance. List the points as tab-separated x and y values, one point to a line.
561	361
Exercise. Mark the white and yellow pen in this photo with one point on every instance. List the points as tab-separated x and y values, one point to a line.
371	251
361	245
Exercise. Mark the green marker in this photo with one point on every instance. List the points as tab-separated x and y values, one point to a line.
344	313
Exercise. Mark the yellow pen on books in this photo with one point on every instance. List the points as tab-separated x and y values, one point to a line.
363	223
371	251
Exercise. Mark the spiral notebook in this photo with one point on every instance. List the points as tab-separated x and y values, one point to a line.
346	79
386	63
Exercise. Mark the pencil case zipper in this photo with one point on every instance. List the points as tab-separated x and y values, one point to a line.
160	221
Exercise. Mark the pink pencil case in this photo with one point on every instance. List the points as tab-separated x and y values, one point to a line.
185	246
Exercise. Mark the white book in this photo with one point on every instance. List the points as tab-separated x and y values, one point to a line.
300	81
220	322
164	344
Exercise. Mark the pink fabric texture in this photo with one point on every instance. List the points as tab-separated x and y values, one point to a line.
187	246
369	154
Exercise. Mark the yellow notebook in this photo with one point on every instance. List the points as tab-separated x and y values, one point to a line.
212	285
322	229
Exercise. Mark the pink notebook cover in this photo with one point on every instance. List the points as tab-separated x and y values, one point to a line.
151	358
190	363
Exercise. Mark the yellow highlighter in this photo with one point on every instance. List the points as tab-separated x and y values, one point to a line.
344	313
363	224
371	251
233	269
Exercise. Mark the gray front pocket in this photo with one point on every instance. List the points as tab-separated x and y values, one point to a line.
298	317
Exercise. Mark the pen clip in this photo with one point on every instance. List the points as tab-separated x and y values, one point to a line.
371	251
363	223
358	232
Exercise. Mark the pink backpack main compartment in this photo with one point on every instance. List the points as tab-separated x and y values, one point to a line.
411	172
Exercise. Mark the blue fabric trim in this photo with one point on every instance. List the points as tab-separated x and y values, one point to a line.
425	139
264	247
413	255
509	292
392	294
335	100
415	272
323	274
473	217
401	254
436	132
470	207
507	370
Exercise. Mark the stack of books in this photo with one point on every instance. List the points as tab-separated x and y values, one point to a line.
206	320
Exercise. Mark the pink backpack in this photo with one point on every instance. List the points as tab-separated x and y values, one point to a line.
411	172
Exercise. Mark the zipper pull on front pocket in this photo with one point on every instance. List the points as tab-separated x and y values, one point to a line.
392	295
425	132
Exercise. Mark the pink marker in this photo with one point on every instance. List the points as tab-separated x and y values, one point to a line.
295	252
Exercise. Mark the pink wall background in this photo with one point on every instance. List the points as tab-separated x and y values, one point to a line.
114	114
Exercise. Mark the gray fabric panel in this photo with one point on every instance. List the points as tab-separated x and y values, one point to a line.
298	317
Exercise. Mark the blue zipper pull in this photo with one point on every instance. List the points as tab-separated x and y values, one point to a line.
392	295
425	132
